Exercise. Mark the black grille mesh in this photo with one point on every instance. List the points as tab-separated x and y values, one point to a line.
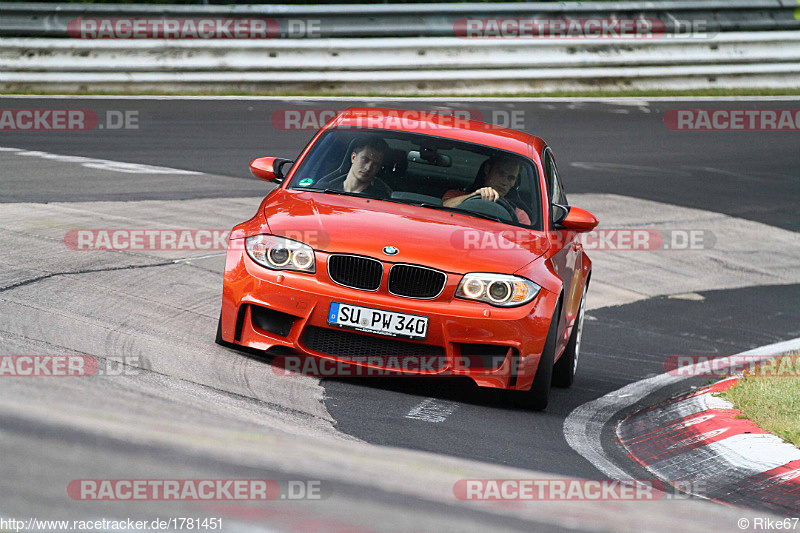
349	345
416	282
355	271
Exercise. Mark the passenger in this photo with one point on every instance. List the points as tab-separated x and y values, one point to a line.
497	177
366	161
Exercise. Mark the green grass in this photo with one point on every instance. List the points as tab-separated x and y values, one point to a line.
769	396
566	94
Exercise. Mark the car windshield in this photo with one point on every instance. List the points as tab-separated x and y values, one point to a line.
431	172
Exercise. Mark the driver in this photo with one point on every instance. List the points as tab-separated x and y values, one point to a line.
497	177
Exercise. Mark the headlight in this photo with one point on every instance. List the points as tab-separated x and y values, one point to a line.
278	253
501	290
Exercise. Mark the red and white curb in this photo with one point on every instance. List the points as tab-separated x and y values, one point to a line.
583	428
701	441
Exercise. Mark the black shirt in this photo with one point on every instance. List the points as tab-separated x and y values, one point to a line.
376	189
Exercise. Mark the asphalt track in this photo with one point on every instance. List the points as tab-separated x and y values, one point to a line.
626	146
121	306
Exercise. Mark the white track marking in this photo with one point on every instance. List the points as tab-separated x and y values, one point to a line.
102	164
638	170
583	427
188	259
692	296
431	410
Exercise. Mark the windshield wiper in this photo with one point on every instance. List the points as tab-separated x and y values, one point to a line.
481	215
457	210
418	204
335	191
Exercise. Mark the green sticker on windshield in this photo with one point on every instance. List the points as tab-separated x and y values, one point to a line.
305	182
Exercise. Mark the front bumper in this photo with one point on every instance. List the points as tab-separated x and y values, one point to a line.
495	347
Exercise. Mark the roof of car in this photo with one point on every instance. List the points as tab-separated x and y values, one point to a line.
436	124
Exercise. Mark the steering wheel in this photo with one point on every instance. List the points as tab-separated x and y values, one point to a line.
510	208
501	209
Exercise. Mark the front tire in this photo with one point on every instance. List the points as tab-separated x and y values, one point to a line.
565	368
536	398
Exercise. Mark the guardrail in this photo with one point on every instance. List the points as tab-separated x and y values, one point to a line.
358	49
403	66
411	20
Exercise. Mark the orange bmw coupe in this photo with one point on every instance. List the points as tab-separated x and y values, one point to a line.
418	242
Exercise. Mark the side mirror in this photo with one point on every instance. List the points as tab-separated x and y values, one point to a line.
268	168
574	218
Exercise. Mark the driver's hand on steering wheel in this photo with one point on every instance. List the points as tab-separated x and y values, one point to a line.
487	193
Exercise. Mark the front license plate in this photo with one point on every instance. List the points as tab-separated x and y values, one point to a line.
378	321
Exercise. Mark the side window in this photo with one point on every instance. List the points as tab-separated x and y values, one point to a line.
554	185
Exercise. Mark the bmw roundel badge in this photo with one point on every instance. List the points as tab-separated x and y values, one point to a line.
390	250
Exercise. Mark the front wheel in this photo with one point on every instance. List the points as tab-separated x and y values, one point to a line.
536	398
564	370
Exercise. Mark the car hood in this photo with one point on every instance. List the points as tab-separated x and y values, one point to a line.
424	236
